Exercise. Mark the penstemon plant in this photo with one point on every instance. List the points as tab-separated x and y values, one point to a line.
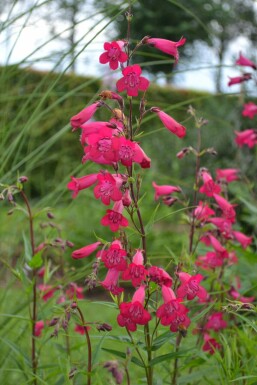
114	145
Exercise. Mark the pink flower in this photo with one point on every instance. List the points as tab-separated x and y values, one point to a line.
242	239
164	190
114	257
171	124
228	211
110	282
47	290
114	218
128	152
96	128
167	46
106	189
210	344
246	137
85	251
76	290
227	174
84	115
209	187
113	54
209	239
237	296
80	329
126	199
132	81
190	287
239	79
133	313
39	326
224	226
215	322
41	272
99	147
250	110
136	271
159	276
82	183
211	260
172	313
243	61
202	212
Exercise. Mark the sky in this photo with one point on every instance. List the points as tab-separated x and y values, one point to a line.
29	32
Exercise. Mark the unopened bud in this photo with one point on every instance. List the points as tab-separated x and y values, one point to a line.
53	321
50	215
55	332
104	327
69	244
72	373
23	179
74	305
169	201
183	152
10	197
211	151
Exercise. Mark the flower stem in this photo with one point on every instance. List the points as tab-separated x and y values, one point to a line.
175	368
89	348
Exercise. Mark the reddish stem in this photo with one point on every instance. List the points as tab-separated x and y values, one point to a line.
89	348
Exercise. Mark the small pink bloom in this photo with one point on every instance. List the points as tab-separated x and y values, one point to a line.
41	272
106	189
47	290
159	276
80	329
246	137
132	82
96	128
126	199
164	190
209	239
190	287
202	212
239	79
136	271
128	152
211	260
100	148
224	226
237	296
84	115
227	174
250	110
78	184
85	251
242	239
167	46
114	257
114	218
228	211
113	54
210	345
171	124
110	282
215	322
133	313
39	326
243	61
76	290
209	187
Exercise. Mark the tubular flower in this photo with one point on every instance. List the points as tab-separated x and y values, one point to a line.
167	46
246	137
215	322
106	189
133	313
227	174
227	208
190	287
159	276
243	61
242	239
128	152
85	251
76	290
114	218
132	82
209	239
39	326
210	345
110	282
209	187
171	124
82	183
114	257
250	110
164	190
211	260
47	290
84	115
202	212
239	79
99	147
136	271
238	297
113	54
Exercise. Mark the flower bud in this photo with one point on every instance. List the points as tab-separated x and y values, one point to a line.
104	327
181	154
50	215
53	321
69	244
23	179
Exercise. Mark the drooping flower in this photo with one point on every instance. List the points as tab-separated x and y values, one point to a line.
113	54
250	110
227	208
246	137
85	251
202	212
211	260
243	239
208	239
106	189
210	345
114	218
78	184
209	187
164	190
190	287
159	276
167	46
84	115
110	282
136	272
239	297
224	226
133	313
76	290
215	322
171	124
128	152
39	326
47	290
114	257
132	82
239	79
243	61
227	174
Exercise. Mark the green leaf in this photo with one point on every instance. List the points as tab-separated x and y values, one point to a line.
162	339
36	262
166	357
117	353
27	247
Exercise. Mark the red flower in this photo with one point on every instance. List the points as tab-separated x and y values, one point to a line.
82	183
114	257
167	46
114	218
216	322
190	287
239	79
243	61
164	190
113	54
210	344
136	271
242	239
85	251
202	212
84	115
237	296
159	276
106	189
171	124
47	290
224	226
227	174
250	110
74	289
247	137
39	326
211	260
209	187
110	282
128	152
80	329
133	313
132	81
227	208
